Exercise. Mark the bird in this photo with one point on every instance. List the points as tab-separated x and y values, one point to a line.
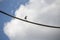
25	17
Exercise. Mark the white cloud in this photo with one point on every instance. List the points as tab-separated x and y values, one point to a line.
41	11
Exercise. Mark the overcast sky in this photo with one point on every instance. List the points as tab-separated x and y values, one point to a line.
40	11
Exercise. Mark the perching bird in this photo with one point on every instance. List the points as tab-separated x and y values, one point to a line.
25	17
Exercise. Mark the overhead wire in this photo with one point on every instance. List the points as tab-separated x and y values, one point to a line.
29	21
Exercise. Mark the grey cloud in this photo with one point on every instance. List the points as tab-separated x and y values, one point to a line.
39	12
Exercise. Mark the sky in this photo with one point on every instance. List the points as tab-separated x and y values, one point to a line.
40	11
8	6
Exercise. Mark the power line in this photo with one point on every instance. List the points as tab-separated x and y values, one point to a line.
28	21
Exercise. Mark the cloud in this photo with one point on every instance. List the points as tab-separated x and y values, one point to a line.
40	11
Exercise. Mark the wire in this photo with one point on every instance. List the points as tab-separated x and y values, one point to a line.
28	21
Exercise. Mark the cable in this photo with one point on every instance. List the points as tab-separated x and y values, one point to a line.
28	21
